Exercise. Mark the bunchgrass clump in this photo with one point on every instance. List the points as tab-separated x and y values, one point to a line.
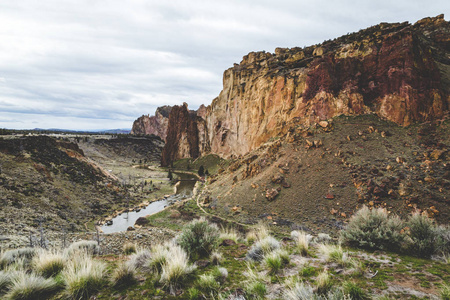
323	282
444	293
208	285
24	286
5	280
263	247
140	260
374	229
323	238
353	291
90	247
48	264
129	248
175	268
335	254
84	276
229	233
124	275
301	240
259	232
255	290
301	291
13	256
220	274
199	238
216	257
273	263
159	256
276	260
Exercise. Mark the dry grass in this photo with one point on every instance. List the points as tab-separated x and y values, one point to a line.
301	240
83	276
48	264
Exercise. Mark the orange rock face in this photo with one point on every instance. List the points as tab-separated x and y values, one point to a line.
397	71
401	72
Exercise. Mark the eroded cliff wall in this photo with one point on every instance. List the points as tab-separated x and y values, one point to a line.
397	71
400	71
157	124
182	138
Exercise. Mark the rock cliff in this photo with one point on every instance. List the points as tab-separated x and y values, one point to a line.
157	124
399	71
182	138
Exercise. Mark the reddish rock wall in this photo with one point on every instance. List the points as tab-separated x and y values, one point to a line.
157	124
400	72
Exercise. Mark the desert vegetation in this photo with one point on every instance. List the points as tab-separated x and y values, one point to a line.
205	262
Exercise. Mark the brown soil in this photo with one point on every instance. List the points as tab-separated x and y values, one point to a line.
357	161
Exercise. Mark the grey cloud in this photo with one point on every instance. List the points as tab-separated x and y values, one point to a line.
104	62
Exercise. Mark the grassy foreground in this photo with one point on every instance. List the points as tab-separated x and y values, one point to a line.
208	262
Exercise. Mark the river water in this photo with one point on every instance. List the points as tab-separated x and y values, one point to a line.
125	220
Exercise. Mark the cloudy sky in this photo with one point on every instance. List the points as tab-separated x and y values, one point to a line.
97	64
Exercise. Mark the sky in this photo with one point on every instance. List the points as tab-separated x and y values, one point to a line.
97	64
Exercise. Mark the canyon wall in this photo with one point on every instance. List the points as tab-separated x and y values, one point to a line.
157	124
401	72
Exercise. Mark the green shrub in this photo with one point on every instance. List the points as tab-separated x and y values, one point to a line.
199	238
13	256
374	229
48	264
423	234
194	294
354	291
83	276
25	286
255	290
443	241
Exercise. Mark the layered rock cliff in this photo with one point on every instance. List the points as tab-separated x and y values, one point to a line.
401	72
157	124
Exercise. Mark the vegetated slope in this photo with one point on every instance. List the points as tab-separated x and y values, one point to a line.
47	180
317	177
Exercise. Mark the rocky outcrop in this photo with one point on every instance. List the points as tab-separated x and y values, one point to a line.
397	71
157	124
182	135
401	72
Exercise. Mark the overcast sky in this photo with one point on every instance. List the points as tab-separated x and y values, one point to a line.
95	64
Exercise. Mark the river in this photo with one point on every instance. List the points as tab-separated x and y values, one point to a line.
123	221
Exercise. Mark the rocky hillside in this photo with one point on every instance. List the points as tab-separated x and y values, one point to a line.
399	71
156	125
54	182
316	178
